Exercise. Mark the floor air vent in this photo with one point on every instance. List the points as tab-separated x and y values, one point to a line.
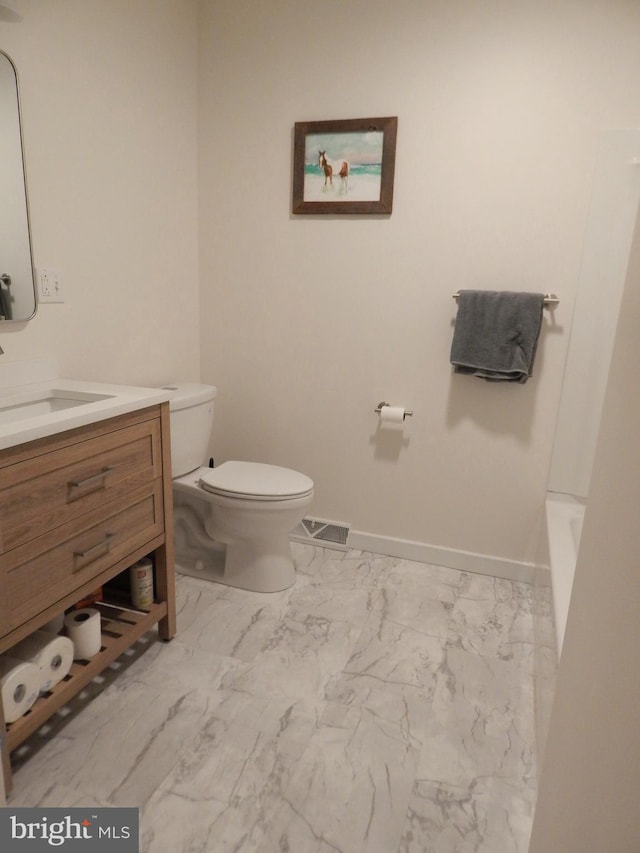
332	534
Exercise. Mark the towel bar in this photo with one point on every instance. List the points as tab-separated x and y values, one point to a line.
549	299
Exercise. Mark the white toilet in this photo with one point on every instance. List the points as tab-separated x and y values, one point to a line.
232	522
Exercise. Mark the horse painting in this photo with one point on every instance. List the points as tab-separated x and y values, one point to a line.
326	166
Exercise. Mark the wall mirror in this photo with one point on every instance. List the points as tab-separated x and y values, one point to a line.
17	285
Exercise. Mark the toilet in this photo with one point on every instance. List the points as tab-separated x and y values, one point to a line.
231	522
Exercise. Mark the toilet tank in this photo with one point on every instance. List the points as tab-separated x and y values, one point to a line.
191	417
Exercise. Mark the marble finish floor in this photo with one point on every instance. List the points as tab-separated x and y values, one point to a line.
377	705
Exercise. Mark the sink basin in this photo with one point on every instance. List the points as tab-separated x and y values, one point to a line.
36	403
44	402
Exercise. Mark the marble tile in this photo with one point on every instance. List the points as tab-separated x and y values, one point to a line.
350	697
376	705
350	791
483	587
445	819
123	747
390	675
416	609
231	761
433	581
501	628
420	596
314	609
310	645
481	728
177	666
235	771
310	558
169	822
233	629
341	569
43	792
193	596
395	654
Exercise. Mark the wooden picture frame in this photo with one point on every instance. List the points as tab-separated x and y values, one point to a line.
344	166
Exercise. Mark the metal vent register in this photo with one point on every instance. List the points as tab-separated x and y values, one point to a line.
333	534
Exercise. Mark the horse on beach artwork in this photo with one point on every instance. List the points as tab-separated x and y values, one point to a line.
343	166
326	166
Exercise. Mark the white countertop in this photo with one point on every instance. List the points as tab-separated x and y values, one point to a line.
116	400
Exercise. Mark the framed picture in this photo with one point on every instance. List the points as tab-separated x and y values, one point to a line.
344	166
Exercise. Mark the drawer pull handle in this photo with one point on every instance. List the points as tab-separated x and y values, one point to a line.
94	549
80	484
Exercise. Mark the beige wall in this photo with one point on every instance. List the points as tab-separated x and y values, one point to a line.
109	109
589	789
308	322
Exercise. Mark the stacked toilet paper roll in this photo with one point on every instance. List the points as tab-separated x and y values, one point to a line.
19	686
55	625
52	654
83	628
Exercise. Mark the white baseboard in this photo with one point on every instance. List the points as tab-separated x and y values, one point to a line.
466	561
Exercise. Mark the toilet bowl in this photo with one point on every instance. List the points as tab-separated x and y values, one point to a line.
232	522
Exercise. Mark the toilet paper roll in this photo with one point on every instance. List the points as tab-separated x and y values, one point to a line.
52	654
83	628
391	416
19	687
55	625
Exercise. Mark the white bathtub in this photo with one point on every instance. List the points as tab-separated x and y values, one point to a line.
565	515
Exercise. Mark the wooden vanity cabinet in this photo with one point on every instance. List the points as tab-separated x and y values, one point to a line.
76	509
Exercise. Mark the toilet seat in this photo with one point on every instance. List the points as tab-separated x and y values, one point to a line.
256	481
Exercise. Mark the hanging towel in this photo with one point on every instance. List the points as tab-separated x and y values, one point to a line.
496	334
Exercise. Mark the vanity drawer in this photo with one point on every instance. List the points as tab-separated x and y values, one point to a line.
42	493
85	548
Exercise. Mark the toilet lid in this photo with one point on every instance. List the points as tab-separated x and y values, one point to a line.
256	481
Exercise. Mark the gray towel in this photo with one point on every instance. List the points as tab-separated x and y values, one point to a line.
496	334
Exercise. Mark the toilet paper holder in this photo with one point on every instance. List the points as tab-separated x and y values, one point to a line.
378	409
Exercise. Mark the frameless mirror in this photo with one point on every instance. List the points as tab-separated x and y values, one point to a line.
17	288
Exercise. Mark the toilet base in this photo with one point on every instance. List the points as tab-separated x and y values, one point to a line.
240	568
263	564
260	565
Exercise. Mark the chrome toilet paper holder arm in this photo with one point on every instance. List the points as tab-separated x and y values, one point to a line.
378	409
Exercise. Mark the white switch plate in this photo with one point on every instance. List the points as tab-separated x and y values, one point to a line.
50	285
